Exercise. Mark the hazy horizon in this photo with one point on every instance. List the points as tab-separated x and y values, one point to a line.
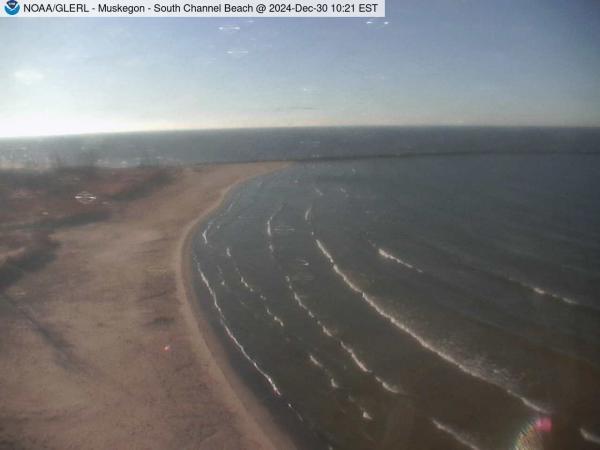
434	63
314	127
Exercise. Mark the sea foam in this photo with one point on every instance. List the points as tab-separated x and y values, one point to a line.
443	354
233	338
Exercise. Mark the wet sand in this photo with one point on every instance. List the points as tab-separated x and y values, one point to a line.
105	347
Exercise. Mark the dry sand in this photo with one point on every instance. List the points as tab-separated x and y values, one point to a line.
104	348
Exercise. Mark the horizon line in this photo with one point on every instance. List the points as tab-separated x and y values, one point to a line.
290	127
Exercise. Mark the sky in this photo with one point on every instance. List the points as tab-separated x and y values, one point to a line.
428	62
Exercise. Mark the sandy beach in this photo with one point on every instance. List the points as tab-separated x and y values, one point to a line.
104	347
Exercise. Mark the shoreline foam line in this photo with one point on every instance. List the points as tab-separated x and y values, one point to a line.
253	290
254	419
233	337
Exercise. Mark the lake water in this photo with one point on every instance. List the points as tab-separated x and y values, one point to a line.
439	302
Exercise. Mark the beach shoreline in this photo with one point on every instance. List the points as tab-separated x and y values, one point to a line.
106	345
209	341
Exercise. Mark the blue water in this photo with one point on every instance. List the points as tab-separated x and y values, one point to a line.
439	302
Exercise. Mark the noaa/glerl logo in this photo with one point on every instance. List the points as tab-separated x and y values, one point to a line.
12	7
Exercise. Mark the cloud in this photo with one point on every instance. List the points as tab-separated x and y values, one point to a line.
28	76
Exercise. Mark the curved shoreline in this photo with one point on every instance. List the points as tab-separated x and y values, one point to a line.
234	389
105	347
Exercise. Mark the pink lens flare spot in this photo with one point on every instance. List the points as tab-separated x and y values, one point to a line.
543	424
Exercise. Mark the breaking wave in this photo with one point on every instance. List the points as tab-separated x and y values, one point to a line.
538	290
390	256
443	354
332	381
205	232
232	336
307	214
327	332
456	435
589	436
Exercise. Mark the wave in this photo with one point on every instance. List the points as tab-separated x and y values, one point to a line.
476	264
363	411
327	332
300	303
443	354
275	318
250	289
245	283
388	387
456	435
365	414
361	365
210	291
232	336
307	213
269	228
254	363
238	272
334	384
544	292
315	361
205	232
589	436
228	208
390	256
269	231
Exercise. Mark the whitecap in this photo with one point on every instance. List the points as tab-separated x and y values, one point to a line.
365	414
361	365
269	220
589	436
233	337
315	361
458	436
390	256
254	363
538	290
205	232
307	213
388	387
474	372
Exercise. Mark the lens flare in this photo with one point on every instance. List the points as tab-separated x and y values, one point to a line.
532	436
